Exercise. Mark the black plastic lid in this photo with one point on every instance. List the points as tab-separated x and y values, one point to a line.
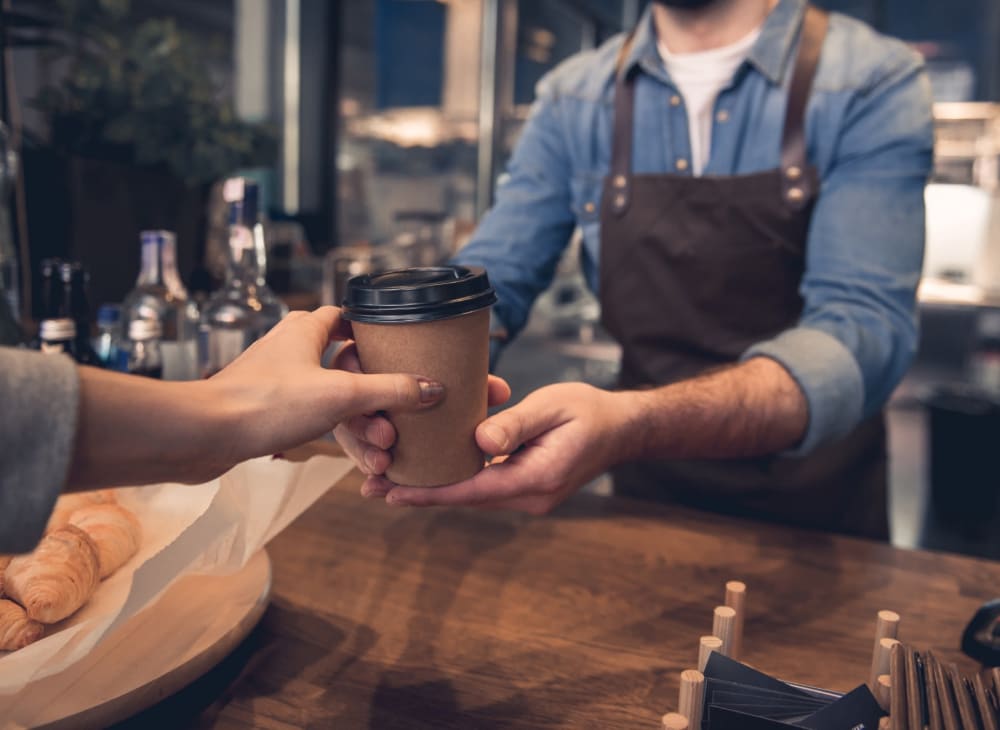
424	294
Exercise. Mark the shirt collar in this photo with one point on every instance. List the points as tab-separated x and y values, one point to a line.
769	55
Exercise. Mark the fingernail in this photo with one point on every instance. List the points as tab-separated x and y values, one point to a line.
430	390
495	434
370	456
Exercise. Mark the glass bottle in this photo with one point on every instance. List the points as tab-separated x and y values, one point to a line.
107	344
64	299
75	279
57	336
145	357
160	294
10	328
244	309
52	306
53	299
9	280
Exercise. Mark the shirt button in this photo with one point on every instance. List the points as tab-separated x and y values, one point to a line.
681	163
722	116
675	100
589	207
795	194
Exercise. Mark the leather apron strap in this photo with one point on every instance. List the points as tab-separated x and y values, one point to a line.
798	186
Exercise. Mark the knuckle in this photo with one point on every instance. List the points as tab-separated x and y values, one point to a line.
378	432
348	390
406	390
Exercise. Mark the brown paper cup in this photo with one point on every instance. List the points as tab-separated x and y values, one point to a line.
431	321
436	445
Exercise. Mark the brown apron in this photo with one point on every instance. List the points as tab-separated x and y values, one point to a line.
694	270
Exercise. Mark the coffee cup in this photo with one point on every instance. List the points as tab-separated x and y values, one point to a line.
429	321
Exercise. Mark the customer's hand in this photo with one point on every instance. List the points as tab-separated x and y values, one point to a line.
549	445
283	397
367	438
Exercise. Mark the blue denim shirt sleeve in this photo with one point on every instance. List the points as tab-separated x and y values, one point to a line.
857	333
520	240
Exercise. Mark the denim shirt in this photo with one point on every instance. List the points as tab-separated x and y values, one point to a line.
869	134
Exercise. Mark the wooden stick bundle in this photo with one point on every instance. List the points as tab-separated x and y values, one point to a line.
897	699
886	627
736	599
674	721
883	691
706	645
692	696
724	626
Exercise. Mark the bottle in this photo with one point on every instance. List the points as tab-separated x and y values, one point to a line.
57	336
145	357
53	303
53	300
65	312
77	307
10	330
107	344
9	281
244	309
160	294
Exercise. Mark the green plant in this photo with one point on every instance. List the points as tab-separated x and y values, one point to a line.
140	91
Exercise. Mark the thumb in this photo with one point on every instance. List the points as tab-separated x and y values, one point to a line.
505	432
367	393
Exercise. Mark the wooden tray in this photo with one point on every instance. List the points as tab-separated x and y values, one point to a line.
193	626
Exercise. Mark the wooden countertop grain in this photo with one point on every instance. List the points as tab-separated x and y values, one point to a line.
388	617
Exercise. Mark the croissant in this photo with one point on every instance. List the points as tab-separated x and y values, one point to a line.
67	504
4	559
57	578
114	530
16	629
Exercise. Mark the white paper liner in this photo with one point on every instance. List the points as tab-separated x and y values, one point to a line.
209	528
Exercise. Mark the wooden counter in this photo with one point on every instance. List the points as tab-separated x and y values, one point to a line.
400	618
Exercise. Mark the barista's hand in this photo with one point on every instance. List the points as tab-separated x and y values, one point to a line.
556	440
368	438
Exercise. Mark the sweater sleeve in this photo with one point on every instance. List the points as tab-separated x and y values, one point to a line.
39	400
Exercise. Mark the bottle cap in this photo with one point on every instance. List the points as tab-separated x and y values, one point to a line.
157	238
422	294
108	315
144	329
54	330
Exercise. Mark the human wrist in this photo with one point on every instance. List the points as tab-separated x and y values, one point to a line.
629	430
223	411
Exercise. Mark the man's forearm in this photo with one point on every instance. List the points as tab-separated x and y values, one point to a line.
750	409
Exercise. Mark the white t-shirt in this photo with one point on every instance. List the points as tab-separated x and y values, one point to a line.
700	77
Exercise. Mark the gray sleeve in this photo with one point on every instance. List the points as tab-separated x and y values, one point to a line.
39	400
